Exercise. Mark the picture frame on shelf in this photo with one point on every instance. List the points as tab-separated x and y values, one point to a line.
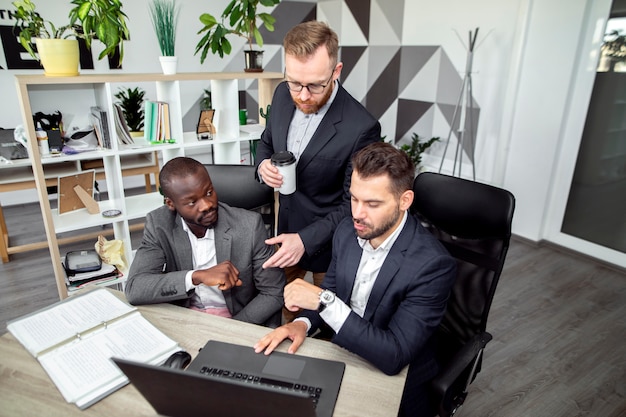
70	199
205	128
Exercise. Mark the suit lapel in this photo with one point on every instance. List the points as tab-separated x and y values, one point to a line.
223	244
390	267
325	131
182	246
282	121
345	286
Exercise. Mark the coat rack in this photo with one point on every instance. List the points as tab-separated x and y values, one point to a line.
463	109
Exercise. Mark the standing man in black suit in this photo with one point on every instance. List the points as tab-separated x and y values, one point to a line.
317	120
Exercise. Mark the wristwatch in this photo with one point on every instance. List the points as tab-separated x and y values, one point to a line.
326	298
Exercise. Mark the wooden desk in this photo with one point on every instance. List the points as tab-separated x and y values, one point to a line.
26	390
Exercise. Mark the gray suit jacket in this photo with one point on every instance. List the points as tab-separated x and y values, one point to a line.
164	257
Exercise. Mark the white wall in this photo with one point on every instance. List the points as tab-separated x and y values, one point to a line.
527	70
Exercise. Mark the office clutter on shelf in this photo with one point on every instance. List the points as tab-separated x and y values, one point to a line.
11	147
84	268
52	124
112	252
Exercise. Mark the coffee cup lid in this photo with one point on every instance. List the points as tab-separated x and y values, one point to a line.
283	158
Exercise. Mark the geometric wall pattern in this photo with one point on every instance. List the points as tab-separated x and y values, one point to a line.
409	88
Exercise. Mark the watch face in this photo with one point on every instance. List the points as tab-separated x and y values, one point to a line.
327	297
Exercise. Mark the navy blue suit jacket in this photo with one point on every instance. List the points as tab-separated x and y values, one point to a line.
323	172
405	307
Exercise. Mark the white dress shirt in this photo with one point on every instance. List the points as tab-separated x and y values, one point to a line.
303	126
371	261
203	250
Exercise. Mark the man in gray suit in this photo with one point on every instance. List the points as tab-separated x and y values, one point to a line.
191	257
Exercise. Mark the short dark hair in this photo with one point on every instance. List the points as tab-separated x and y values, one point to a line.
178	167
303	40
381	158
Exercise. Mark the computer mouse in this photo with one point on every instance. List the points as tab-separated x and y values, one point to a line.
178	360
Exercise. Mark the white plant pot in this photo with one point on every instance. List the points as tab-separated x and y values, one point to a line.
168	64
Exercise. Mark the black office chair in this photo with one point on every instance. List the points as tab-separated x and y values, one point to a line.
473	221
237	187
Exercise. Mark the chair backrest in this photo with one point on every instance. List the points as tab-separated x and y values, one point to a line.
473	221
236	186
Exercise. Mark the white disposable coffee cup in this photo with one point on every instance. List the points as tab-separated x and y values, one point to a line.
285	161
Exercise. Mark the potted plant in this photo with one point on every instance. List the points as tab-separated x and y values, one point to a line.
417	148
206	102
131	101
103	19
164	15
240	18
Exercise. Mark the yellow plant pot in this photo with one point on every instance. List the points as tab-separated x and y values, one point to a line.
59	57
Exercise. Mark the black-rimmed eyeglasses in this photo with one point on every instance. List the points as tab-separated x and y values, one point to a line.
296	87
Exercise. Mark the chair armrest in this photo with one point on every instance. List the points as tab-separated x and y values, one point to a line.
449	374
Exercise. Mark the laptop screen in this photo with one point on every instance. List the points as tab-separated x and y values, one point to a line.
232	380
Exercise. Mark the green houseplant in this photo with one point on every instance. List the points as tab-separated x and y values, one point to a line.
164	15
101	19
206	102
131	101
417	148
240	18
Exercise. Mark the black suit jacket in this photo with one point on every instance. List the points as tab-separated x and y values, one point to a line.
405	306
323	172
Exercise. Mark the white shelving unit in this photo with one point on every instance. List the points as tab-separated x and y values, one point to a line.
99	90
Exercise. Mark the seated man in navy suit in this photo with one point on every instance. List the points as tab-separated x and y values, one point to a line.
386	289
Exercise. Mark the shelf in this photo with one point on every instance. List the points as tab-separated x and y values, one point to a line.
137	206
81	219
86	90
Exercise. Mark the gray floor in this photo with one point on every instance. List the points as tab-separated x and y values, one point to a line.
557	321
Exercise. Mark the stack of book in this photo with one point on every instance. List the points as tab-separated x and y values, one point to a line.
121	128
101	126
157	122
80	280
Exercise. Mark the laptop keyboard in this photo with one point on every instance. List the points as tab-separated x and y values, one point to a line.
312	392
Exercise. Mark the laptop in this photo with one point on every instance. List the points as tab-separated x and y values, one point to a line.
231	380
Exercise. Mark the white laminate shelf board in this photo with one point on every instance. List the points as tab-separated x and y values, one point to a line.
81	219
82	156
142	147
138	206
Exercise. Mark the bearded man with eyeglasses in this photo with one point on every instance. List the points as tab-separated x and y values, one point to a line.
316	119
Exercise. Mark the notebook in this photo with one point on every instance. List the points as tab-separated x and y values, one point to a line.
231	380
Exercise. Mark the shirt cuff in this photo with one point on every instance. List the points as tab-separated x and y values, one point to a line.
306	321
188	281
336	314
